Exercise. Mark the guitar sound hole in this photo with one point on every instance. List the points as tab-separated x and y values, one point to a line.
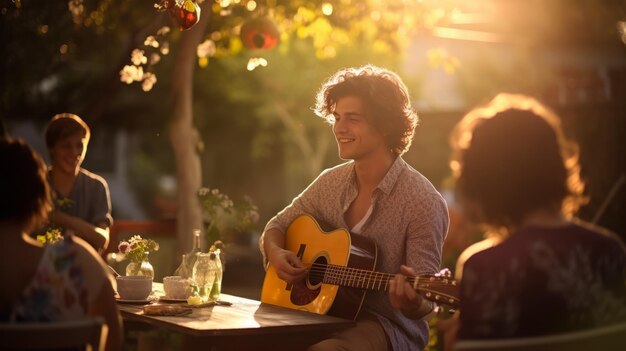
305	292
318	269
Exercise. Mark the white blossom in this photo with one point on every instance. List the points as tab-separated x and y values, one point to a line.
165	48
149	79
137	57
155	58
164	30
206	48
131	73
151	41
254	62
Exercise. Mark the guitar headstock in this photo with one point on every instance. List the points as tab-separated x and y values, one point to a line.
440	288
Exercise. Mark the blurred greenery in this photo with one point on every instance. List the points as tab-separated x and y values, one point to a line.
258	135
251	123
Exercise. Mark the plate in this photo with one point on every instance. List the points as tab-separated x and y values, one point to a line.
166	310
171	299
137	302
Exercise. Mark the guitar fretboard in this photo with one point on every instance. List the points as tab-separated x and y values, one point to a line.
352	277
357	278
438	289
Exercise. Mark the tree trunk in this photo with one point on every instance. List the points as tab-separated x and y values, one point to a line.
184	136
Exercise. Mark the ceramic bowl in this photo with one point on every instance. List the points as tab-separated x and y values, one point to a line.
177	287
134	287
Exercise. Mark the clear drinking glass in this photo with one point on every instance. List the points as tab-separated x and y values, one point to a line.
204	274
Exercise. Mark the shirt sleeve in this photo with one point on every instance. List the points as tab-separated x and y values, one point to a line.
425	236
307	202
102	204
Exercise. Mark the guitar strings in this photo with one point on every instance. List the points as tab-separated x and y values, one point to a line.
319	271
365	279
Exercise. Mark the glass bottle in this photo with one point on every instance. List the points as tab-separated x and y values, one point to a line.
190	260
183	270
216	287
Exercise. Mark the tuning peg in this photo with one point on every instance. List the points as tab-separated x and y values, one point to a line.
444	273
451	311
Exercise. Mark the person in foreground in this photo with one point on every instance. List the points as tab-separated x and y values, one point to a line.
377	195
517	174
64	281
82	204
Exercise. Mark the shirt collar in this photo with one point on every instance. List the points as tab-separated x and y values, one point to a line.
388	182
390	179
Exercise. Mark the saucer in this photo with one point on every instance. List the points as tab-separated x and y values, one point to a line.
136	302
171	299
166	310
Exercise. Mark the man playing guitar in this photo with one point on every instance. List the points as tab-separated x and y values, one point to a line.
377	195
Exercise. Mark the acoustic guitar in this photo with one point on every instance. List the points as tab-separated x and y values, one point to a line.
341	271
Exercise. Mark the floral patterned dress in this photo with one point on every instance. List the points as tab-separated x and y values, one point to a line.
543	281
57	291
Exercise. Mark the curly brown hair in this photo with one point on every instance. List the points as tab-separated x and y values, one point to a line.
386	99
25	193
511	158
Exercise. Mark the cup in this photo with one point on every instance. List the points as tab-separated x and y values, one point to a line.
135	287
177	287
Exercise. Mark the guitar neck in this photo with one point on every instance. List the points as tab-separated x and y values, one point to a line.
434	288
352	277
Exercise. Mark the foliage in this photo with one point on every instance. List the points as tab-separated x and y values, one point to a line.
102	37
53	232
384	26
51	236
222	214
216	247
137	248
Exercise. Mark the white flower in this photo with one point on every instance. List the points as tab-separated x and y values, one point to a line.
155	58
151	41
164	30
165	48
149	79
255	62
131	73
207	48
137	57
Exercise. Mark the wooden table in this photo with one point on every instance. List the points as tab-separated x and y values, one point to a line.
245	325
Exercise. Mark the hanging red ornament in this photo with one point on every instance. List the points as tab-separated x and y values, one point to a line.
186	15
260	33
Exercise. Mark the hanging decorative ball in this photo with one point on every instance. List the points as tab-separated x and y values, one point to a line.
260	33
186	14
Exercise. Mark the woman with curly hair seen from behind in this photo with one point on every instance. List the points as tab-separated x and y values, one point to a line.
63	281
518	175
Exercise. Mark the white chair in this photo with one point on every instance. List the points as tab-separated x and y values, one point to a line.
610	338
87	334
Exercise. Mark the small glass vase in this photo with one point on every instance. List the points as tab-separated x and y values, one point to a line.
140	268
183	270
216	288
